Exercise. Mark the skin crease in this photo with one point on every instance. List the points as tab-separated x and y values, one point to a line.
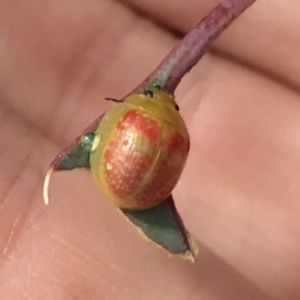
239	193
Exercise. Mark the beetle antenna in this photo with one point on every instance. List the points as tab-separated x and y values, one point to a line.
113	99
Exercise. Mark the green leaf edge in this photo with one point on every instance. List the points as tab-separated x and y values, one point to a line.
163	225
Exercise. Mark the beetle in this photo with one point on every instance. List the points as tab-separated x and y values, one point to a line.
139	150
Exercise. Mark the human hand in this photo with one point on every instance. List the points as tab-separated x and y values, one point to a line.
239	194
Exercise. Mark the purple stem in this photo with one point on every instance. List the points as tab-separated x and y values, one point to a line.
192	47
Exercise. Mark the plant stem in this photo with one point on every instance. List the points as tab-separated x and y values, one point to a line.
193	46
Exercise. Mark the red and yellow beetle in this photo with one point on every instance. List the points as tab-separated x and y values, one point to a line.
140	149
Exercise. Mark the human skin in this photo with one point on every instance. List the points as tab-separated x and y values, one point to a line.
239	193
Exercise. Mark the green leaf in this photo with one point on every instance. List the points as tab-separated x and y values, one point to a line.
163	225
77	155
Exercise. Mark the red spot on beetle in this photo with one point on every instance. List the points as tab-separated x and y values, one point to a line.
148	127
124	172
166	174
177	143
125	164
164	179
